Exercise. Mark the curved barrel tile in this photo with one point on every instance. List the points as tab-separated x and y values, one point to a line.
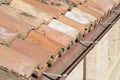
82	28
91	11
18	14
78	11
51	10
66	29
16	62
7	35
55	35
15	24
45	43
32	10
31	50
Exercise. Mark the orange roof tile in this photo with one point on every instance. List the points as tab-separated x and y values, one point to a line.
7	35
64	28
44	7
57	36
45	42
82	28
18	14
85	8
101	5
31	50
15	24
34	34
16	62
32	10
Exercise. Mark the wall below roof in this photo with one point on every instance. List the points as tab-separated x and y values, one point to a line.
103	59
77	73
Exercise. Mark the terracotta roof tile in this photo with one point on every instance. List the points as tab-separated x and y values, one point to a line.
66	2
4	75
16	62
57	36
8	1
75	1
86	9
34	34
33	51
15	24
94	9
5	1
28	8
18	14
60	5
45	42
66	29
80	19
88	16
44	7
82	1
116	2
101	5
82	28
7	35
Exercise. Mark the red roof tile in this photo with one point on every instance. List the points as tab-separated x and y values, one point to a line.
45	42
15	24
85	8
60	5
82	28
31	50
101	5
47	29
18	14
44	7
16	62
116	2
66	29
32	10
57	36
7	35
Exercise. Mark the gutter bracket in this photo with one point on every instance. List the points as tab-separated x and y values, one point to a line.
54	74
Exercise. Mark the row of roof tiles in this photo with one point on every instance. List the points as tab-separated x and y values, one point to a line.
34	33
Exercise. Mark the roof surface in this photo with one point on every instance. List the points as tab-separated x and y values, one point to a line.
34	34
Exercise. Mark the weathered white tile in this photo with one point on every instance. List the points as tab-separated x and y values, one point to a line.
84	14
59	26
76	17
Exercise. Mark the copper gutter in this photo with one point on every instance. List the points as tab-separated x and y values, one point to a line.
80	50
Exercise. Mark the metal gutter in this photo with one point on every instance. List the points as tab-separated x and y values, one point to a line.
68	62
